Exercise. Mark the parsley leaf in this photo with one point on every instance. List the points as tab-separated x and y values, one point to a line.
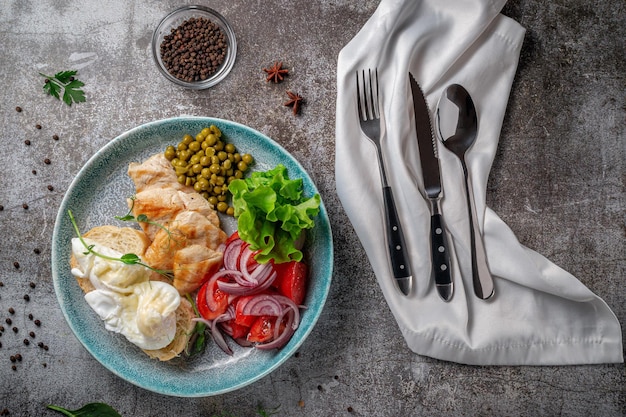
64	81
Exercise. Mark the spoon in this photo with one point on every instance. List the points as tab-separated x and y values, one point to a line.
456	104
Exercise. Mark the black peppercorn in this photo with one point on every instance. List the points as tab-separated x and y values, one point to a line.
16	264
32	285
26	297
15	330
18	109
55	137
11	310
27	142
38	126
37	323
32	334
8	321
26	342
51	188
37	251
25	206
46	161
34	172
30	317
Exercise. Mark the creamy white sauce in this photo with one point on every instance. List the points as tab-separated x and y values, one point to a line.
126	300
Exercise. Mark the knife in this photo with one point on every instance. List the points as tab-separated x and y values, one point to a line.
432	185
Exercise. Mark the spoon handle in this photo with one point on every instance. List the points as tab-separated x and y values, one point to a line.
481	276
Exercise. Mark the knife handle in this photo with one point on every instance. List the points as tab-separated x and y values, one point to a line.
440	257
395	241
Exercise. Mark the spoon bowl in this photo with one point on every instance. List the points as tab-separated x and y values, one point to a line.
457	104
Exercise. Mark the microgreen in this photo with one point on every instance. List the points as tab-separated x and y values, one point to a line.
128	258
197	341
66	82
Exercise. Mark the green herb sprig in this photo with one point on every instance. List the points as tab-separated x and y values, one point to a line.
128	258
89	410
66	82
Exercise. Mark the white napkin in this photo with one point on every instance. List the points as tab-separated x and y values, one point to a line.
540	314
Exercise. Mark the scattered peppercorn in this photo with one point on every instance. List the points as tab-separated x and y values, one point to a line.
37	251
1	328
14	367
25	206
27	142
45	347
350	409
11	310
1	208
55	137
18	357
51	188
26	342
46	161
32	285
18	109
38	126
32	334
40	344
15	329
194	50
16	264
13	358
30	317
45	365
37	323
8	321
0	344
1	284
26	297
34	172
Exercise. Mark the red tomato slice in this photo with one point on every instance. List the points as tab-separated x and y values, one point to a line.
240	318
238	331
291	280
220	298
262	330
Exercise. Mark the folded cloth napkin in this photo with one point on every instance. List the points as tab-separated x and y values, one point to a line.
540	314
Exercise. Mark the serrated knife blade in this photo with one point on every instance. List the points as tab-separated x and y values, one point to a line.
432	185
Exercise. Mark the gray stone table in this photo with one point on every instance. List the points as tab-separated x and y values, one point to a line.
558	181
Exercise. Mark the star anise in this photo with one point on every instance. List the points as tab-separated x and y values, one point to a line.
295	100
276	72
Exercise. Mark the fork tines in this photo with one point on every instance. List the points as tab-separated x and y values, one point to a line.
368	110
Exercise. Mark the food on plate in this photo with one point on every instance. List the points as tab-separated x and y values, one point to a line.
208	164
272	213
251	285
256	304
183	227
120	239
149	313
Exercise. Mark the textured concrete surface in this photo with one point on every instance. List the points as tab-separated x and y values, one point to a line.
558	181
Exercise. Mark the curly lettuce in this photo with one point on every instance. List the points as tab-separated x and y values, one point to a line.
272	212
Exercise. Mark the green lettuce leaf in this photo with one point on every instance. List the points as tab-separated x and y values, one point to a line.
272	213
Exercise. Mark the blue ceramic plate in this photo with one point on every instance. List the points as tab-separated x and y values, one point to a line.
99	192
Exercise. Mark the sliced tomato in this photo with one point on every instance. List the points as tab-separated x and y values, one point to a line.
291	280
262	330
219	297
238	331
240	318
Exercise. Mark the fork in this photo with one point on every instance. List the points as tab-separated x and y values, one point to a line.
369	119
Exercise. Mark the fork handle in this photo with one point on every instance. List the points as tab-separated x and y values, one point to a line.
397	246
